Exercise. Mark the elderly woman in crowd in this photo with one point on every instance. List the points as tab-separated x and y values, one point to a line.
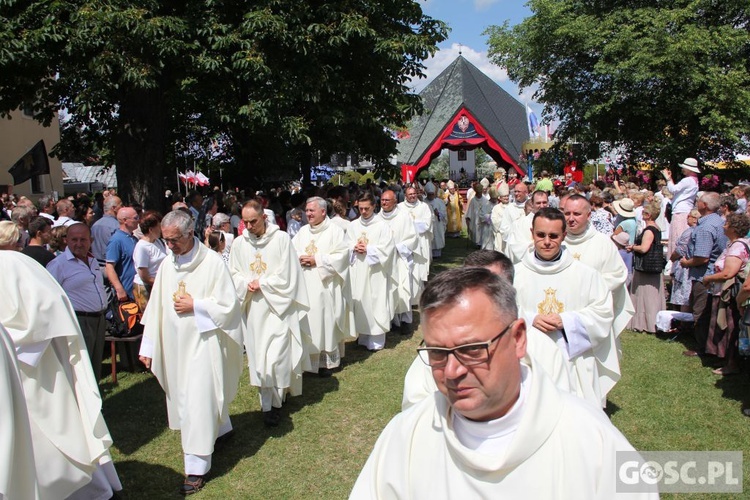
729	274
9	235
727	205
647	288
683	198
681	283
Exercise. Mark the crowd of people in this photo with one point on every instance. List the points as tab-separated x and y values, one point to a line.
290	276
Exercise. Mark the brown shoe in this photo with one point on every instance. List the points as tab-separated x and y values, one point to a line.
691	354
192	484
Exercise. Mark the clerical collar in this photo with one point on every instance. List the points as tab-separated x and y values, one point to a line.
578	238
320	227
551	262
494	436
411	205
367	222
389	215
186	258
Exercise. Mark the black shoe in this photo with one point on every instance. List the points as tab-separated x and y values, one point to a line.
325	372
272	418
192	484
405	329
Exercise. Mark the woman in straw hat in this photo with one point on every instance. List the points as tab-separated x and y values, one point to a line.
683	199
625	224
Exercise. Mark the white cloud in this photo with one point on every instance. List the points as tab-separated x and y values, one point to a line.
444	57
481	5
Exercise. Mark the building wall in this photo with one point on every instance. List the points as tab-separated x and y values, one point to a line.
17	136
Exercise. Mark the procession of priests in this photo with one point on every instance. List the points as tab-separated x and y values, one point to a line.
504	398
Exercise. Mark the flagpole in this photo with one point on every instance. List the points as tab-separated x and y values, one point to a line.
177	173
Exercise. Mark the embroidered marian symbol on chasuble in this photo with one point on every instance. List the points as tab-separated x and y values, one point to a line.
363	238
311	249
258	266
181	291
577	256
550	304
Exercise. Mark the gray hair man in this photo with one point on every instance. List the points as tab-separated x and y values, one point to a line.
192	342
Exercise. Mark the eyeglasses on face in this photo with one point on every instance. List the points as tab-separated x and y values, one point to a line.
467	354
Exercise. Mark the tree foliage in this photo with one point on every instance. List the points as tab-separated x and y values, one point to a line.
270	81
664	80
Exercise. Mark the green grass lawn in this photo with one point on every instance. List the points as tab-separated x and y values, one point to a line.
664	402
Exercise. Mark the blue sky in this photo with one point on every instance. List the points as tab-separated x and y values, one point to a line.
468	19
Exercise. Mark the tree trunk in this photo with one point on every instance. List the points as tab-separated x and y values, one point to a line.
140	147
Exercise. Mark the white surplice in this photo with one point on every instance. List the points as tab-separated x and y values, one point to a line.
580	296
196	357
371	275
277	336
70	438
513	211
330	317
550	445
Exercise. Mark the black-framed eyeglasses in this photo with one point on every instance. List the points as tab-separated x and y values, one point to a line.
467	354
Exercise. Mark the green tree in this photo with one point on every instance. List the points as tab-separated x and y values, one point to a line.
158	81
664	80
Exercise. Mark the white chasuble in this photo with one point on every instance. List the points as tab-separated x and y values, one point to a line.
69	435
497	218
557	447
519	239
484	221
439	222
277	335
330	317
371	275
421	214
598	251
197	357
406	239
513	212
18	475
581	297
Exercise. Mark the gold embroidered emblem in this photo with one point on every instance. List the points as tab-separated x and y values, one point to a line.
577	256
258	266
181	291
363	238
311	249
550	304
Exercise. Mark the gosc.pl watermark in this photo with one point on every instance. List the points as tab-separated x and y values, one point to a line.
679	471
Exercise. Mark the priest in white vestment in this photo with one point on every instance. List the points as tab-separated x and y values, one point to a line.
515	209
498	427
406	239
69	436
519	239
192	342
421	214
568	301
372	252
484	219
439	221
323	250
598	251
18	475
268	280
497	216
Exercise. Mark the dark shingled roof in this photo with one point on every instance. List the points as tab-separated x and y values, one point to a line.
463	85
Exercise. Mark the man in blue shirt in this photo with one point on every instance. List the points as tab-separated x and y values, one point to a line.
120	267
706	244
